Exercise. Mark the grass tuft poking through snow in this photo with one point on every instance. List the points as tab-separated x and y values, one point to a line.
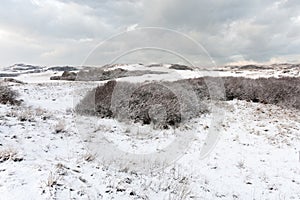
9	154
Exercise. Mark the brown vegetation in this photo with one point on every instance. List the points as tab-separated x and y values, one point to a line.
169	103
278	91
162	104
8	96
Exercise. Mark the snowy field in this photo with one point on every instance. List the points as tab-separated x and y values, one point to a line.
44	156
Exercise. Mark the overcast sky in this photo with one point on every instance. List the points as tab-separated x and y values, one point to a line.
53	32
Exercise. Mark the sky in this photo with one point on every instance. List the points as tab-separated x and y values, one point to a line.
202	32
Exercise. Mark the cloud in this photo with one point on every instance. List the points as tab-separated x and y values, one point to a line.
258	30
55	32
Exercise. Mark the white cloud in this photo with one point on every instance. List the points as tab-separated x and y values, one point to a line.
64	31
132	27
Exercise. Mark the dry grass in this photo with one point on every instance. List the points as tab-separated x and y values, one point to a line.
28	114
89	157
51	180
241	164
9	154
60	127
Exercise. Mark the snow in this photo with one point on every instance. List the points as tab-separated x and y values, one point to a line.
42	77
256	157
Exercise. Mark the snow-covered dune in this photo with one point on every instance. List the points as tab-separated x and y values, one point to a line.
44	154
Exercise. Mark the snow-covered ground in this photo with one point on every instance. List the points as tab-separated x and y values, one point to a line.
257	155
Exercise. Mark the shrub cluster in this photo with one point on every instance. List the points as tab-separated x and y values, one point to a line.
163	104
283	91
7	95
169	103
279	91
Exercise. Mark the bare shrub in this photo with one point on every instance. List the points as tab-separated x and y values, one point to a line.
8	96
154	102
163	104
279	91
12	80
97	101
170	103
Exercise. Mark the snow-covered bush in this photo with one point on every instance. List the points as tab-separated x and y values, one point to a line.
7	95
162	104
283	91
170	103
279	91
